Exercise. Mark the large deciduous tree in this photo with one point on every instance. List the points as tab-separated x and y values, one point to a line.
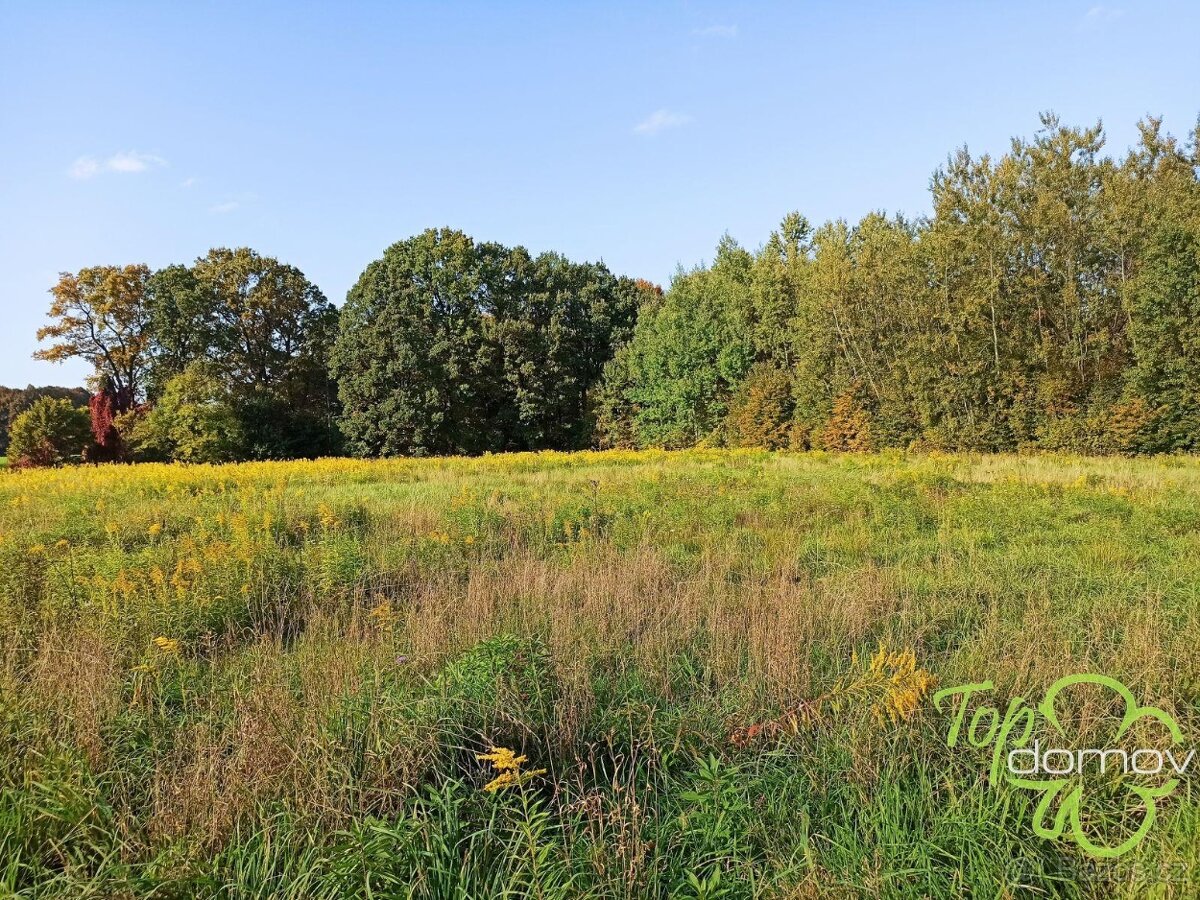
264	331
690	351
100	315
267	325
447	345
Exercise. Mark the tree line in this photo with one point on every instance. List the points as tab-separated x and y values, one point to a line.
445	345
1050	300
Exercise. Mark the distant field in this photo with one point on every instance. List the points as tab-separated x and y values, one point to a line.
276	679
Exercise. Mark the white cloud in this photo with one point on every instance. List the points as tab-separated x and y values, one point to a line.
188	182
84	167
133	162
127	163
717	31
1101	13
220	209
660	120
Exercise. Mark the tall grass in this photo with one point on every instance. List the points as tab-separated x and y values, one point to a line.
275	680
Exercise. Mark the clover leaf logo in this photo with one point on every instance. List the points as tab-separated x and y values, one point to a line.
1071	794
1079	795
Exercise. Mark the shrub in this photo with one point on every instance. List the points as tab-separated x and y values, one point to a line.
760	414
1125	426
14	401
49	433
193	422
849	426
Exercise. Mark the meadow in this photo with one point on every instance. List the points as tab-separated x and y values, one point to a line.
622	674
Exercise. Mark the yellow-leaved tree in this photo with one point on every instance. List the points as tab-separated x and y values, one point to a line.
100	315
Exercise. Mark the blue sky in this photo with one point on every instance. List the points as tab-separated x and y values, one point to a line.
636	133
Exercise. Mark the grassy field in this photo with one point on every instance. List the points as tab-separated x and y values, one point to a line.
277	680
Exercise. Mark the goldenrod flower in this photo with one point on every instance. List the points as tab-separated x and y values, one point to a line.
503	780
169	646
501	759
508	764
326	517
383	617
891	688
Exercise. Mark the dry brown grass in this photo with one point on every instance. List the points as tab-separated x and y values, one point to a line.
75	678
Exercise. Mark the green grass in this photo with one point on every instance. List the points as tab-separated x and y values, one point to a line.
338	641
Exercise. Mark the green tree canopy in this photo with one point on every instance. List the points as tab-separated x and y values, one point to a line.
264	331
1048	301
691	350
14	401
447	345
1165	328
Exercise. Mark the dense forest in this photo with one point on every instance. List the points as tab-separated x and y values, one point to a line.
1050	300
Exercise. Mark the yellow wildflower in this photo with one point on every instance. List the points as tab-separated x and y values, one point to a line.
155	529
383	617
169	646
124	585
503	780
326	517
501	759
508	764
891	688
